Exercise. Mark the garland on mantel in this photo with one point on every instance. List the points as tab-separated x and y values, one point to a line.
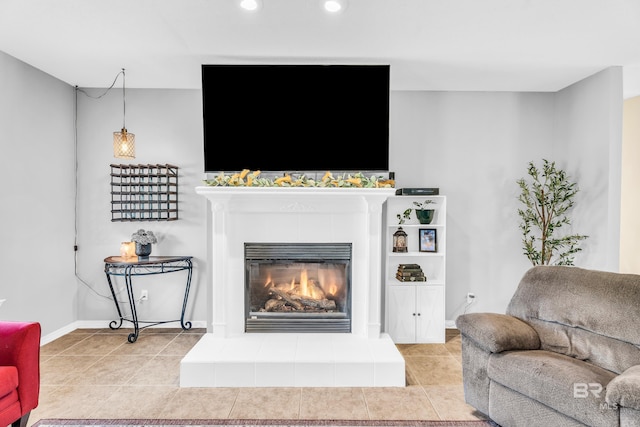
248	178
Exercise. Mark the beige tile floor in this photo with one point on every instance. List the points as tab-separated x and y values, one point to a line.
98	374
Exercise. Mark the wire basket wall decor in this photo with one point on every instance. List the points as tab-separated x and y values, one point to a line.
144	192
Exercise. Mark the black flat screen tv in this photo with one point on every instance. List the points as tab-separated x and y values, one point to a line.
296	118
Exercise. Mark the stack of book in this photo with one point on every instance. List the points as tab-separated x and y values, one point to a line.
410	273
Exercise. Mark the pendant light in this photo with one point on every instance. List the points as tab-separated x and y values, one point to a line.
124	143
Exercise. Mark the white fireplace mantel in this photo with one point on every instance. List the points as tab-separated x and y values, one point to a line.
294	214
227	356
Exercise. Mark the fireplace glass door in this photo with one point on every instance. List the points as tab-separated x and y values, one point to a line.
298	287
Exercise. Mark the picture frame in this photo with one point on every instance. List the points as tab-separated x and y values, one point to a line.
428	240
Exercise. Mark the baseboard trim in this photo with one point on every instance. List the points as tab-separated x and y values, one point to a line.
100	324
46	339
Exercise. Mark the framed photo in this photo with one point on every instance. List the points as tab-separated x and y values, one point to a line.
428	240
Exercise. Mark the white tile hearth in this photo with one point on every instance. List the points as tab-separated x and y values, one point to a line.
293	360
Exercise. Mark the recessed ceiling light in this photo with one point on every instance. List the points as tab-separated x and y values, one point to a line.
334	6
250	5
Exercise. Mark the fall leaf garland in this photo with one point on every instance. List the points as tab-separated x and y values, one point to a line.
248	178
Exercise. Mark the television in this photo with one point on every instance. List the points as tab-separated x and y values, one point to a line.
296	118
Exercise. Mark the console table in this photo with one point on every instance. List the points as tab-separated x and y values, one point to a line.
130	267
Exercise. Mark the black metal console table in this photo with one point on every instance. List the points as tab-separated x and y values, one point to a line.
129	267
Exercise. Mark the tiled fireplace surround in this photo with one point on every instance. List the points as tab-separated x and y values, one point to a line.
228	357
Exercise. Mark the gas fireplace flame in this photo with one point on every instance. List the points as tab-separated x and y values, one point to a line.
303	293
318	289
304	288
268	282
309	288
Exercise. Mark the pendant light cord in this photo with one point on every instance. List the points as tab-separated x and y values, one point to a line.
108	89
124	101
75	141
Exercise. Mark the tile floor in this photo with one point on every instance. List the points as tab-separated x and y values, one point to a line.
92	373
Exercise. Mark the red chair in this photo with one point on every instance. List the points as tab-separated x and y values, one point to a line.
19	371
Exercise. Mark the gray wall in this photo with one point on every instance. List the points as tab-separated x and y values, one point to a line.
589	137
472	145
475	145
36	197
168	129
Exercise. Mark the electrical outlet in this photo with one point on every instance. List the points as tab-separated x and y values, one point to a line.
470	297
144	295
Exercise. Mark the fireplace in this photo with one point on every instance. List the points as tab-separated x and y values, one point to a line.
347	222
298	287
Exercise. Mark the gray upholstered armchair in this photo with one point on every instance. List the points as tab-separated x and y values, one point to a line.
566	353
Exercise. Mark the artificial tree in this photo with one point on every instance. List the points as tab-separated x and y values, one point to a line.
547	199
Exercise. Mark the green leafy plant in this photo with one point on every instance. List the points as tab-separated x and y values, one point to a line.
407	212
547	199
423	205
404	216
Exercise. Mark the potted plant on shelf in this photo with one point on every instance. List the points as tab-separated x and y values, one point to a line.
424	215
143	239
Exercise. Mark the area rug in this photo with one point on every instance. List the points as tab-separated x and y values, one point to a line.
256	423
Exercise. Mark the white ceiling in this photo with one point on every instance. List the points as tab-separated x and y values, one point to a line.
485	45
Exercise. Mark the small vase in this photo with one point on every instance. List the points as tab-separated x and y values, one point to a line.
143	251
425	216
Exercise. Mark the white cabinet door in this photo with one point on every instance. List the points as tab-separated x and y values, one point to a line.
430	314
402	313
416	314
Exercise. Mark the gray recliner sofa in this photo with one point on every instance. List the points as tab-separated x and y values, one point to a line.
566	353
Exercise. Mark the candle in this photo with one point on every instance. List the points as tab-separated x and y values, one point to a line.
127	249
